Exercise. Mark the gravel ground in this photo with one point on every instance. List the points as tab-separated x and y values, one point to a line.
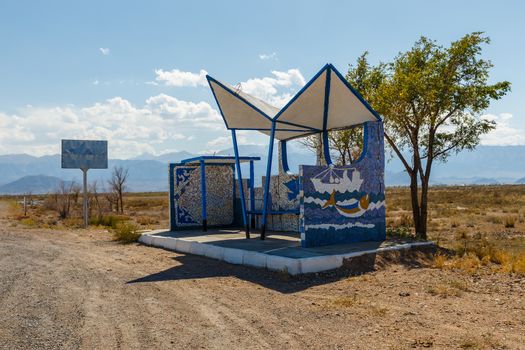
80	290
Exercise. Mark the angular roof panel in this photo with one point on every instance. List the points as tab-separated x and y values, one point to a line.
326	102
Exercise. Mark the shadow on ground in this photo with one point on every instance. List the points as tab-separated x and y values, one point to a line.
197	267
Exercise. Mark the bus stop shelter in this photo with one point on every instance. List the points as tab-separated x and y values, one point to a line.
327	102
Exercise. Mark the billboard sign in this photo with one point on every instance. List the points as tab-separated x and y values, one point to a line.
84	154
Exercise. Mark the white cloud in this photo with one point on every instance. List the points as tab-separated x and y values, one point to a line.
104	51
276	89
504	134
220	142
268	56
130	129
244	137
180	78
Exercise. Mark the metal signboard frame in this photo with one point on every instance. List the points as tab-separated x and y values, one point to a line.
84	155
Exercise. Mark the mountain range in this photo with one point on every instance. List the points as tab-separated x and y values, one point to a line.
22	173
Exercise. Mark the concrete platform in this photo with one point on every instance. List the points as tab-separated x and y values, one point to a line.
279	252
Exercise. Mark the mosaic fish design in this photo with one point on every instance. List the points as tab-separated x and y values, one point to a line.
350	208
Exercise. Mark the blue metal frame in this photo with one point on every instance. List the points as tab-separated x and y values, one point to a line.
267	182
365	144
203	193
276	129
204	158
326	143
252	194
172	199
295	124
234	193
284	157
241	187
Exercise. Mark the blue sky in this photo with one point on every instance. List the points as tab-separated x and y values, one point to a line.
129	71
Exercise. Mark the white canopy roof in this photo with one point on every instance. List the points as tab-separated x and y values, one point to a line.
326	102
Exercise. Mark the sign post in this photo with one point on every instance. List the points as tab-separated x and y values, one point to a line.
84	155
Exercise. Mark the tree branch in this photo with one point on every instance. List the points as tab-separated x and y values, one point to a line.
398	153
439	123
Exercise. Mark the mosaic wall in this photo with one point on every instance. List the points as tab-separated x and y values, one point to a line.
187	196
284	195
344	204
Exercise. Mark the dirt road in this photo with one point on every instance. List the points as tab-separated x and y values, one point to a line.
77	289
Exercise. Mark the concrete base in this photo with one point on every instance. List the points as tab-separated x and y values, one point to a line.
279	252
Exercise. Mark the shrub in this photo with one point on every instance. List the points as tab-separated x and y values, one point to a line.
439	261
28	222
126	232
518	265
399	232
510	221
468	263
500	257
111	221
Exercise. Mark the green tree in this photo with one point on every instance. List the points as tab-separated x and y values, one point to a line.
431	98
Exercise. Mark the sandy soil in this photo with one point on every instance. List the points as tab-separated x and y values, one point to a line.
79	289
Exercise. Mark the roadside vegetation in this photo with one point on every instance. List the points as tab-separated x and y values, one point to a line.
479	228
145	210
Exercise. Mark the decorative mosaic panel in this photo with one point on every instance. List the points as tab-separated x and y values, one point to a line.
187	196
344	204
284	195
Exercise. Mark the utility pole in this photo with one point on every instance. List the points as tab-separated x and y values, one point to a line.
84	173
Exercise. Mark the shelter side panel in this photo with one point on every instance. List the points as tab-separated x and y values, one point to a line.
283	196
187	195
345	204
219	194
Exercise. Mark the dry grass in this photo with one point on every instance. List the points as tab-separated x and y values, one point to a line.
487	341
353	302
484	226
452	288
483	208
483	254
147	210
346	301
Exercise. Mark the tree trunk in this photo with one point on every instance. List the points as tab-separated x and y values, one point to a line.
121	202
422	229
414	194
319	150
